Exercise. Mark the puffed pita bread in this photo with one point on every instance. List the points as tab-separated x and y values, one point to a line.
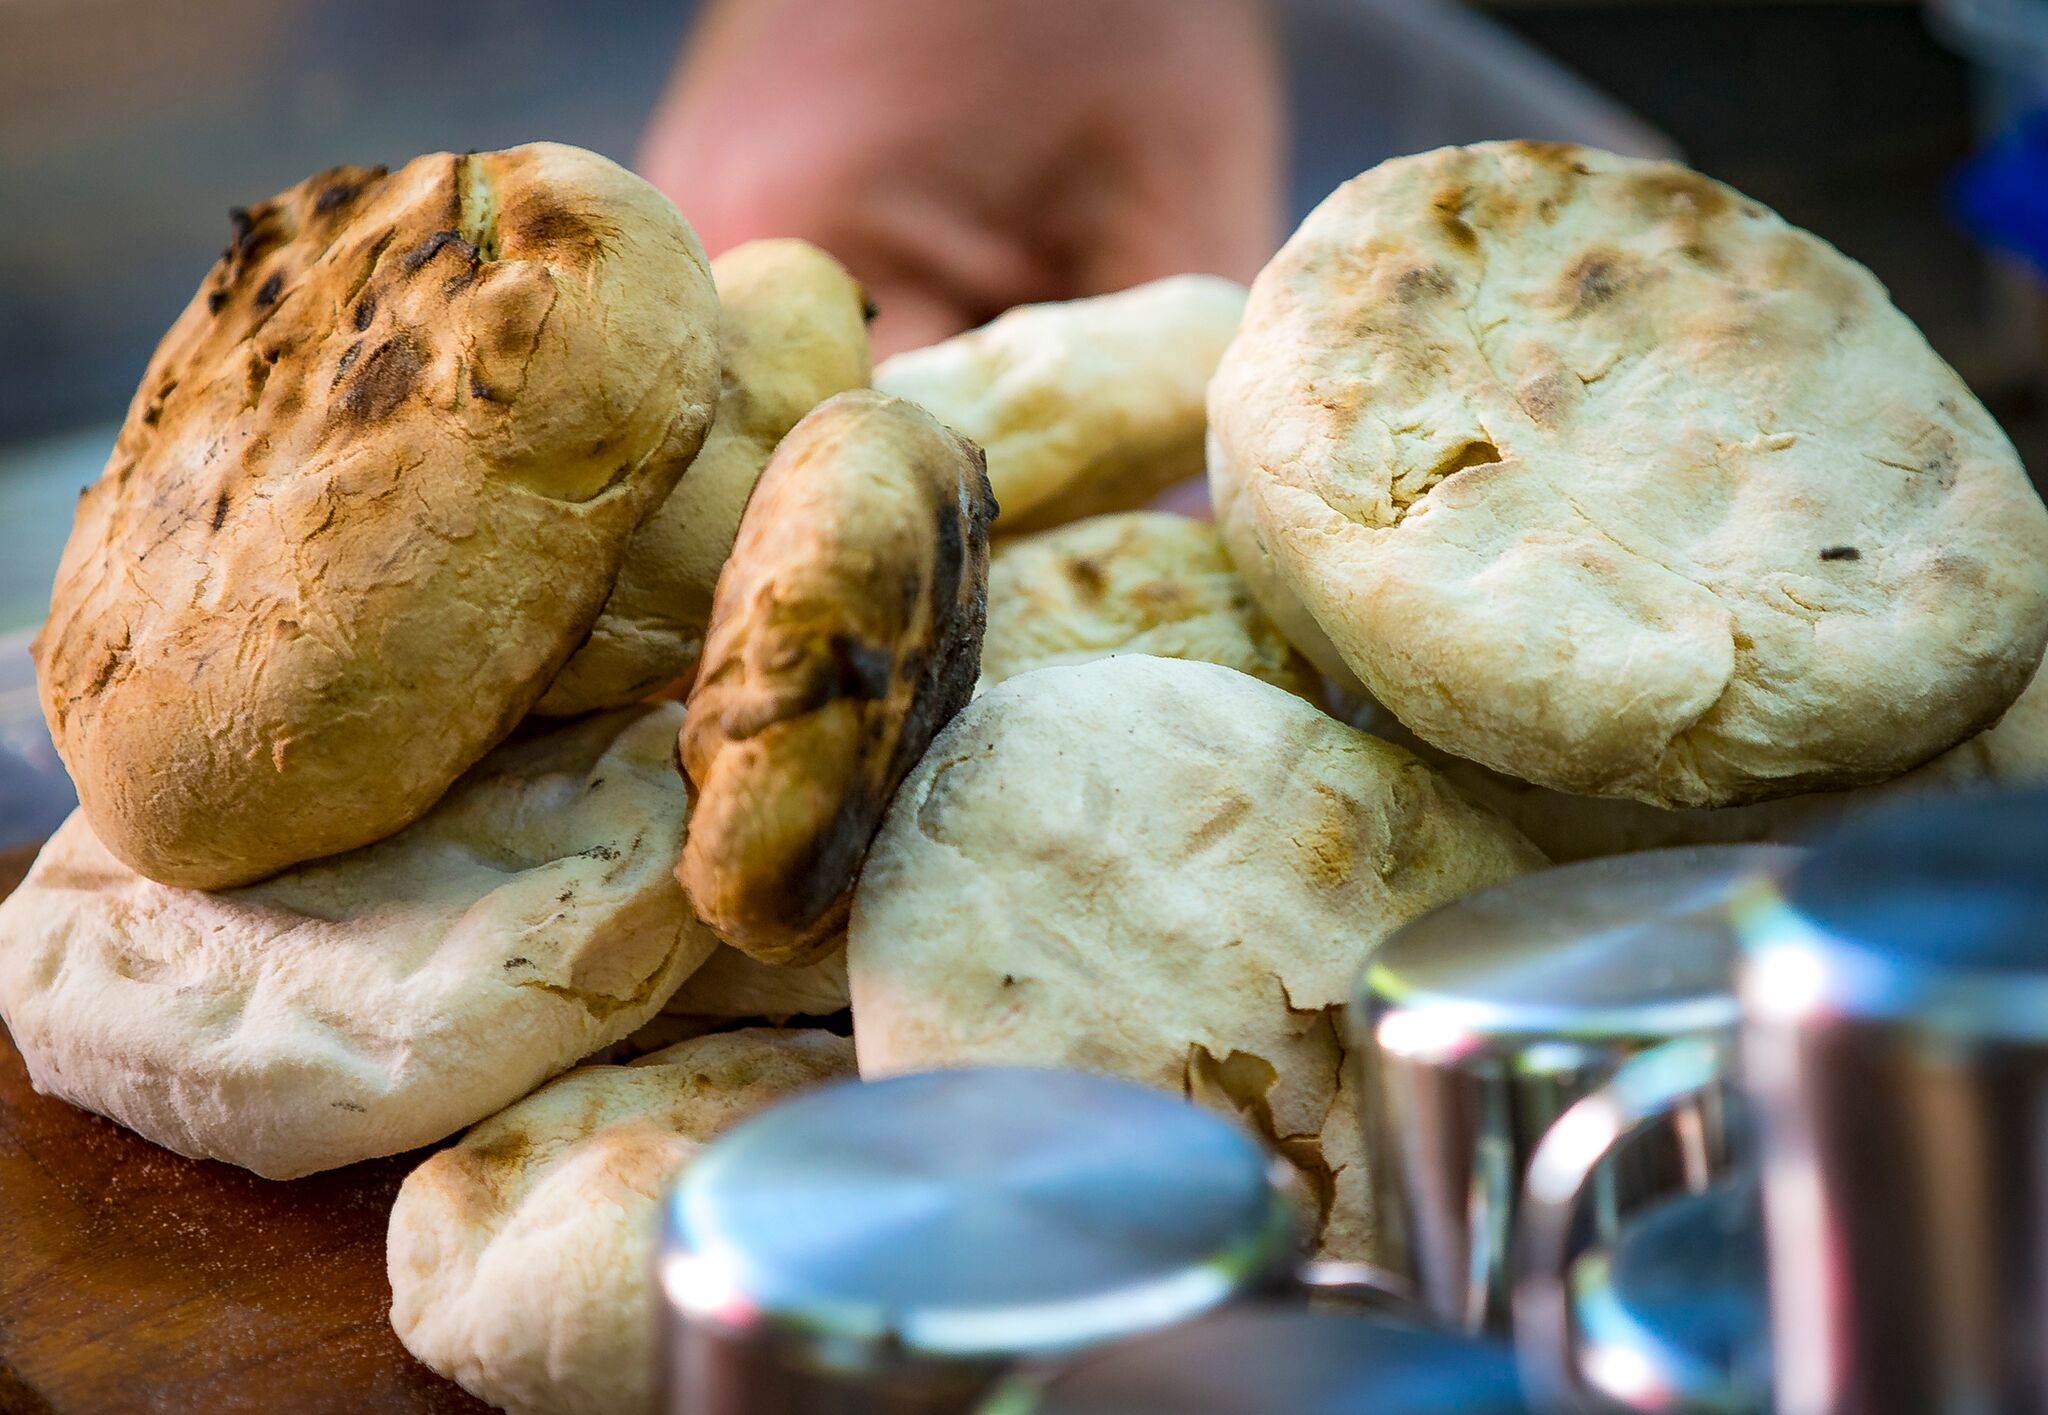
792	331
732	985
372	492
845	632
1130	582
1163	870
2014	752
521	1257
1600	474
1083	406
380	1000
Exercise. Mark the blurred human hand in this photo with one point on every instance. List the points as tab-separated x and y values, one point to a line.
963	156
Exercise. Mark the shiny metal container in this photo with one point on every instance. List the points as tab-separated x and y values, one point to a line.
1476	1026
1669	1317
1270	1357
895	1246
1895	1051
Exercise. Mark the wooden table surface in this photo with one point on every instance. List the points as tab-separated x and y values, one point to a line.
133	1279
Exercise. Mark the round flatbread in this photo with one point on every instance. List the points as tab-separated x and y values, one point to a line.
1084	406
1163	870
792	331
371	494
1131	582
1602	475
2014	752
520	1257
846	631
374	1002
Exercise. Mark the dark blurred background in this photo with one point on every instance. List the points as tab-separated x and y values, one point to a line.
128	127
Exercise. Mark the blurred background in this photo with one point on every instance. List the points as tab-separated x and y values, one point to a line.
1899	130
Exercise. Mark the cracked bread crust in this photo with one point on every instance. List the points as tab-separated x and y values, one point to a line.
845	632
372	492
1602	475
1163	870
380	1000
792	331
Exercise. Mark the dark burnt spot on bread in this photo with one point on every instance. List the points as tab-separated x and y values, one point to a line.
821	896
416	258
366	310
335	198
1594	280
1565	158
241	232
1088	576
214	300
346	362
1423	284
1447	208
950	560
381	381
863	667
269	291
220	510
535	222
253	232
339	187
1841	552
480	390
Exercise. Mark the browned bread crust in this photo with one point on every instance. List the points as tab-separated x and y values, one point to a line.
371	494
845	632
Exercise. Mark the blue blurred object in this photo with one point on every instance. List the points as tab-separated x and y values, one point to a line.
1265	1359
1678	1301
2001	195
35	793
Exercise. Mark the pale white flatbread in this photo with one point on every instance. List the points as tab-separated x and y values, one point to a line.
521	1257
379	1000
1164	870
1083	406
1600	474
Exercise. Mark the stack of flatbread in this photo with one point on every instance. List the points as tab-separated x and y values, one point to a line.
521	678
